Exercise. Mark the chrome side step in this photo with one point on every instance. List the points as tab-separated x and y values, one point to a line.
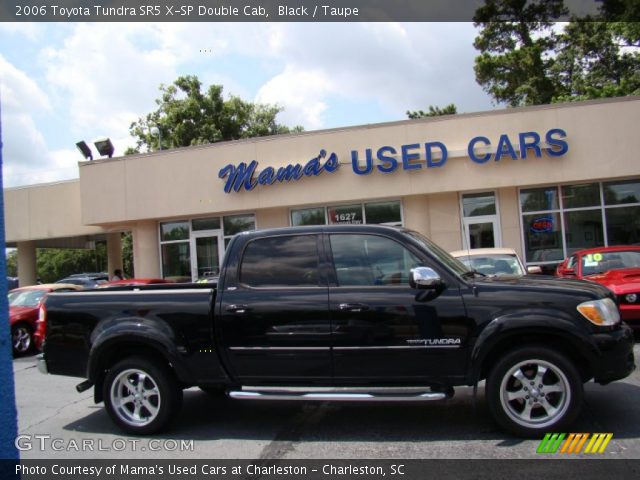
341	394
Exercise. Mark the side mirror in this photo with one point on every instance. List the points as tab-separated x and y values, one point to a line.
534	269
567	272
424	278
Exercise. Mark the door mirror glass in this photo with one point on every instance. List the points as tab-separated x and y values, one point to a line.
425	278
534	270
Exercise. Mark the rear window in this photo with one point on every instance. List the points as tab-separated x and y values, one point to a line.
286	261
29	298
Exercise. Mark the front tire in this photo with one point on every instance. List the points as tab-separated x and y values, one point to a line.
534	390
141	396
21	339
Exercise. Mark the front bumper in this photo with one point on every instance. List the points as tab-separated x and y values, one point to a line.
42	364
614	359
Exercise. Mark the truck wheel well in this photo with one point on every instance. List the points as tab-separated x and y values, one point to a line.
558	344
120	352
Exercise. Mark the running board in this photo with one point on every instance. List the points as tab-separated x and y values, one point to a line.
339	394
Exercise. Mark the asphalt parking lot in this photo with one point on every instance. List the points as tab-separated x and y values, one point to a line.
56	422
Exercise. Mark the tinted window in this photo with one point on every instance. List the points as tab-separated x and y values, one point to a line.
288	261
370	260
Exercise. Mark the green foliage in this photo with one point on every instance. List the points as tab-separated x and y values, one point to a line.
188	116
52	264
12	263
127	254
515	44
526	60
433	112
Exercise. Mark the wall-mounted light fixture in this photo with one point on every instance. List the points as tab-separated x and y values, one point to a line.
105	147
85	150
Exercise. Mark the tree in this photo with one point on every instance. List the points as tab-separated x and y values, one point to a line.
515	44
433	112
526	59
187	116
591	63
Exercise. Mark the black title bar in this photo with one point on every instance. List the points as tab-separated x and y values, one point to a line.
258	10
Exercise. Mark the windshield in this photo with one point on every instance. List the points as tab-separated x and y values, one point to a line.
442	255
28	298
600	262
494	264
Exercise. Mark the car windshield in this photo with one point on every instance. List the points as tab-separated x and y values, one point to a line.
600	262
441	254
28	298
494	264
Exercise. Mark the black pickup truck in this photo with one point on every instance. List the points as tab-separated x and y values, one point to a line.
341	313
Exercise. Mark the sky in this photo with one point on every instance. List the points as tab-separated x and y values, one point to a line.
65	82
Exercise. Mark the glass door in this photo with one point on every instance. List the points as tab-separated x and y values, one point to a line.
208	248
481	232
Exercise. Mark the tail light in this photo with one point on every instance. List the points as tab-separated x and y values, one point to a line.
41	328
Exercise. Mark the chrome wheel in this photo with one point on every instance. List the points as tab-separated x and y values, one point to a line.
21	339
135	397
535	393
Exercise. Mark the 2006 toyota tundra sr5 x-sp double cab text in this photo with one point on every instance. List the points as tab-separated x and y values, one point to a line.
341	313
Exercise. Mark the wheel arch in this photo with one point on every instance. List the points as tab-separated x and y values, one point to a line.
486	356
111	352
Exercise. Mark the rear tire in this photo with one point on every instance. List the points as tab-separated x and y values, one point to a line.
533	390
21	339
141	396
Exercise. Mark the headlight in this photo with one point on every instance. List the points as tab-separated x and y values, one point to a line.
631	297
601	312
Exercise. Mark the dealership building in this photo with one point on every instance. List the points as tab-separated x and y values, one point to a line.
544	180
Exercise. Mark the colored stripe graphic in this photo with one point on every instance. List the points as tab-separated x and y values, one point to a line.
550	443
574	443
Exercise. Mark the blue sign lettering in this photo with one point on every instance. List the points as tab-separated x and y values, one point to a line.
387	159
242	176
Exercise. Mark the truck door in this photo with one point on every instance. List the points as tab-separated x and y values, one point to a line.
382	329
274	318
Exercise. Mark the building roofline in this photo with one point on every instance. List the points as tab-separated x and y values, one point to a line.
369	126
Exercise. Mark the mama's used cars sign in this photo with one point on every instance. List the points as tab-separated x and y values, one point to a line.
388	159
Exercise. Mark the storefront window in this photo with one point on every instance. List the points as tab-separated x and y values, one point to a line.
345	214
478	204
308	216
583	229
586	222
539	199
623	225
576	196
176	262
543	237
383	212
170	231
212	223
238	223
388	213
618	193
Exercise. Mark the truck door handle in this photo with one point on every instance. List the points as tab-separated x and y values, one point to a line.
353	307
237	309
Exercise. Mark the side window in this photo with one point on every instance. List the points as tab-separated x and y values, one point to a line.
370	260
287	261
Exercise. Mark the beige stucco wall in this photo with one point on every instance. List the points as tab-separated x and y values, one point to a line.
44	211
184	182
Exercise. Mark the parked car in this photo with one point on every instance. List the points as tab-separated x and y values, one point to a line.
617	268
128	282
86	280
345	313
494	261
24	307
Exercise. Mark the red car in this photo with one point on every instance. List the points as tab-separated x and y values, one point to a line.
24	308
617	268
